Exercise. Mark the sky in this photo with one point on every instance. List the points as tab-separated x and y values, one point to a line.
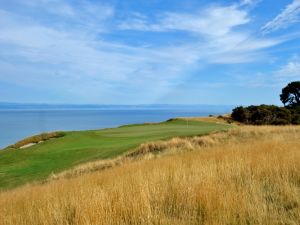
229	52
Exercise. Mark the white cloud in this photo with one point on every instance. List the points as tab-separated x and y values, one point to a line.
287	17
213	21
290	70
56	7
75	60
218	38
249	2
85	14
278	78
71	55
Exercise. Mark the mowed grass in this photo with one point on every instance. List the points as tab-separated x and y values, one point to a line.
19	166
248	175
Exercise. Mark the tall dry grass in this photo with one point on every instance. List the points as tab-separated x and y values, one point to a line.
38	138
249	175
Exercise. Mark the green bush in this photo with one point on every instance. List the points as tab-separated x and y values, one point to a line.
262	115
240	114
271	114
295	115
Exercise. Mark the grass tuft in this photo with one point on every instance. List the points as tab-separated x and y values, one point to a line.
38	138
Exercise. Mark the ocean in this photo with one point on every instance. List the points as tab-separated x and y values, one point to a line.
18	122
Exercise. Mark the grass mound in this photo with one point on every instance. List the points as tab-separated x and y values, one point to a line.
38	138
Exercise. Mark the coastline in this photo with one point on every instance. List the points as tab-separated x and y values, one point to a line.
18	124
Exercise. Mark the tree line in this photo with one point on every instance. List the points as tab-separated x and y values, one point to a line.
271	114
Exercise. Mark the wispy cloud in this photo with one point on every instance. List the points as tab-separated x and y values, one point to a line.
86	15
72	48
217	29
213	21
285	73
290	70
60	8
247	2
75	59
287	17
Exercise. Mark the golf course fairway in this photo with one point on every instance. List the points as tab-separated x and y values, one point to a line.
37	162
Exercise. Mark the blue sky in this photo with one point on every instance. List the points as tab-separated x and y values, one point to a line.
148	51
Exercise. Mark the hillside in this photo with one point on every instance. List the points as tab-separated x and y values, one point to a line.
248	175
36	163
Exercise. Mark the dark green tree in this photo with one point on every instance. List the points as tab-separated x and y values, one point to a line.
240	114
290	95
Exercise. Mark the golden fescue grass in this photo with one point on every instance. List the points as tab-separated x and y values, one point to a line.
249	175
144	151
223	119
37	138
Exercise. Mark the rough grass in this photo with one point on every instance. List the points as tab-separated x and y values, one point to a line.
249	175
37	138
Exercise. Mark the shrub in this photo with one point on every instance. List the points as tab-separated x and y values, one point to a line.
240	114
262	115
295	115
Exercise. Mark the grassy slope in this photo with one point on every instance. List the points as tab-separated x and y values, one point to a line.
38	162
249	175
